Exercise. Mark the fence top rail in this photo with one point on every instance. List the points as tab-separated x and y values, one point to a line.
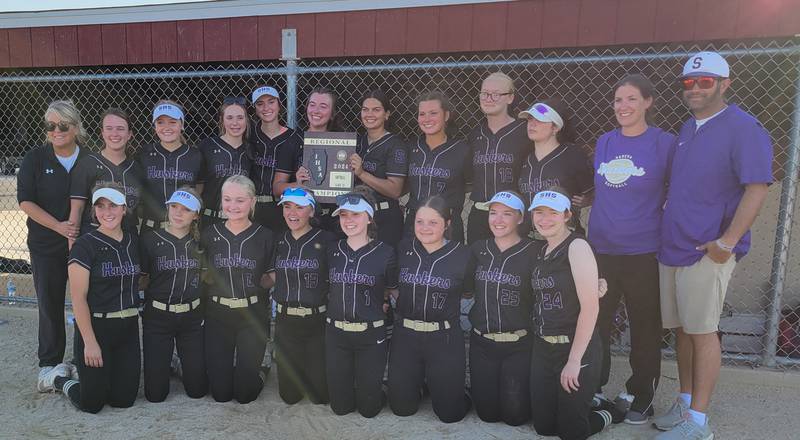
356	66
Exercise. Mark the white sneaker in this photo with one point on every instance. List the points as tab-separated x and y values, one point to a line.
677	414
47	375
73	370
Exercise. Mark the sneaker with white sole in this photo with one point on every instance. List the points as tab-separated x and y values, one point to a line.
73	370
688	430
623	402
677	414
47	375
633	417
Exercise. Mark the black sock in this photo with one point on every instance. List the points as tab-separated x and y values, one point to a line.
59	382
598	420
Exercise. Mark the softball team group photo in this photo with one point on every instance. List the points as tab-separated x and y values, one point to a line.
373	296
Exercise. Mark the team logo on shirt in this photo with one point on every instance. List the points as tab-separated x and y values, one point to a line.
169	173
351	277
542	283
492	158
425	279
429	171
49	171
496	276
234	261
297	263
618	170
163	263
126	269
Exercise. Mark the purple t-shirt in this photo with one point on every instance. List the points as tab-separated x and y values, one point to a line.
630	184
710	169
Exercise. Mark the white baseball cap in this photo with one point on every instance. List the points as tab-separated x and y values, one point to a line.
110	194
542	113
298	196
506	198
264	90
170	110
551	199
186	199
706	64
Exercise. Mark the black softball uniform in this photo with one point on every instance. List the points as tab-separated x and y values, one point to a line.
44	181
568	167
236	317
166	171
427	341
220	161
172	315
356	340
500	344
283	154
301	291
386	157
555	316
443	171
94	169
113	299
496	162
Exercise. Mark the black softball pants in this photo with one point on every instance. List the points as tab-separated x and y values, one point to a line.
162	331
499	374
241	333
434	358
355	363
300	355
116	383
556	412
634	278
50	284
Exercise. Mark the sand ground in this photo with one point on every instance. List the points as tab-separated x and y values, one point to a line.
748	405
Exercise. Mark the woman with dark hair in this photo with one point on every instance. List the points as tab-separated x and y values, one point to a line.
362	273
276	157
112	164
172	316
631	166
168	164
227	154
300	273
43	186
437	163
380	163
104	283
427	342
499	145
555	159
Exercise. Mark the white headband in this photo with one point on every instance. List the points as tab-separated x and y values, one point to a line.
186	199
111	194
170	110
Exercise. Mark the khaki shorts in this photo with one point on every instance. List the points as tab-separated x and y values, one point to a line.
692	296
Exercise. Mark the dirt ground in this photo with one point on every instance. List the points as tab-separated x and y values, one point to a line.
748	405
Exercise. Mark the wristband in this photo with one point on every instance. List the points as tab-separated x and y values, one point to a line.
724	246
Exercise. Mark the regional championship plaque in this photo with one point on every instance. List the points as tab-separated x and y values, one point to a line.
326	155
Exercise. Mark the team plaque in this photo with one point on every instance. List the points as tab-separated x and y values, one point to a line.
326	155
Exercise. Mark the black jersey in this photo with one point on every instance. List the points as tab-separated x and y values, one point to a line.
165	171
386	157
359	279
44	181
556	306
236	262
568	166
113	270
283	153
173	265
432	284
94	169
502	290
301	268
497	158
220	161
441	171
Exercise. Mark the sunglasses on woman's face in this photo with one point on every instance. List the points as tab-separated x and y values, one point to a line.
62	126
704	82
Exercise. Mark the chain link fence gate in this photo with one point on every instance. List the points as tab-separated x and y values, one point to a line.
764	295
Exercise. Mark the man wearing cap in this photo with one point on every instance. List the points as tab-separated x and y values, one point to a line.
718	182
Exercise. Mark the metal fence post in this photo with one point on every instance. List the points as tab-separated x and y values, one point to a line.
289	54
783	232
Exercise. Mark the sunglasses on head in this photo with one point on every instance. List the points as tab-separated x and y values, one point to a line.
298	192
62	126
350	198
235	100
704	82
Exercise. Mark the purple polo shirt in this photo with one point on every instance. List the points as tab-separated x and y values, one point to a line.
710	169
630	184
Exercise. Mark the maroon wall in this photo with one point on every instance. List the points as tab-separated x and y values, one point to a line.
462	28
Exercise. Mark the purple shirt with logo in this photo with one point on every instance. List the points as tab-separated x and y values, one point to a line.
630	183
710	169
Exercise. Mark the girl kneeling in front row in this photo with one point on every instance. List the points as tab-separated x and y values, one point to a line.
104	285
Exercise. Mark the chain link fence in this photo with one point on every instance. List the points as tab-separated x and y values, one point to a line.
760	323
